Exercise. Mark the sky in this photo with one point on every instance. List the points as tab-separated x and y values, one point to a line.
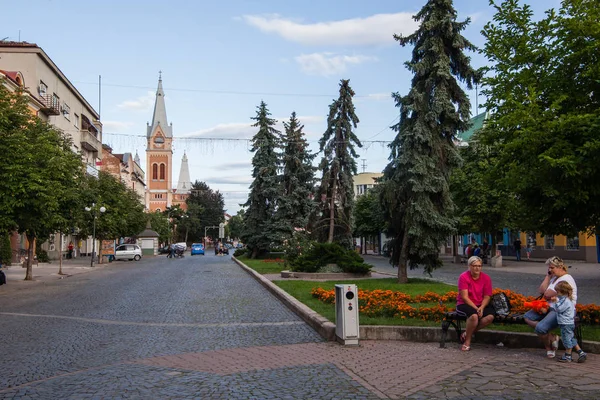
219	60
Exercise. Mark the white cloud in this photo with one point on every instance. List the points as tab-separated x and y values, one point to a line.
379	96
234	130
328	63
373	30
228	180
116	126
307	119
142	103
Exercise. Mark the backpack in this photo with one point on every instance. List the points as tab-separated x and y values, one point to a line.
2	278
501	304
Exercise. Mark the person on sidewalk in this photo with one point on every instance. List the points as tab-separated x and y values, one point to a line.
473	300
517	245
565	311
529	250
543	324
70	250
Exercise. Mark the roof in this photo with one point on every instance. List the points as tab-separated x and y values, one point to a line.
34	48
159	118
12	75
476	124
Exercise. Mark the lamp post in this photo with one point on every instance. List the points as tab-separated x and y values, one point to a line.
94	212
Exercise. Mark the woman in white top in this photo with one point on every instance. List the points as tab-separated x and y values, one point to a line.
544	323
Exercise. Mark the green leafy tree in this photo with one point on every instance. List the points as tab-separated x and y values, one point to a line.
259	219
368	216
338	165
14	117
484	204
416	194
124	213
236	225
296	204
543	91
206	207
47	172
160	224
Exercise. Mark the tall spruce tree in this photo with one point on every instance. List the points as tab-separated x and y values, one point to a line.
297	182
259	224
338	165
416	196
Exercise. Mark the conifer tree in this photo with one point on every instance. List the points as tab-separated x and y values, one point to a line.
297	181
416	197
336	195
259	231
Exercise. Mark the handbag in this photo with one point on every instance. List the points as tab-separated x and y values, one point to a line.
501	304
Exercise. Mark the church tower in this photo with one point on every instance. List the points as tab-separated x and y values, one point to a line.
159	156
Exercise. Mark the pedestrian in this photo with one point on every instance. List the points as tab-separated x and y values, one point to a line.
70	250
517	245
473	300
171	251
529	250
543	324
216	248
565	310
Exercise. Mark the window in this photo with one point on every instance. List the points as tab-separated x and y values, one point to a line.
43	88
573	243
361	189
163	169
549	242
154	171
66	111
76	120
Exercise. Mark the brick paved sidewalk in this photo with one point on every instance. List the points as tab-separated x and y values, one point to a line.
375	369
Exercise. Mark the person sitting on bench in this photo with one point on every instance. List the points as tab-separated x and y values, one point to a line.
473	300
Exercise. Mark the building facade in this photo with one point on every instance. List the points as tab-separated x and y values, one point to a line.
160	192
126	168
54	99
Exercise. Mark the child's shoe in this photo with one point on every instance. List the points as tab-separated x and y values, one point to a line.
566	358
582	356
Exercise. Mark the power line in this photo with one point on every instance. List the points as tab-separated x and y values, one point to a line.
216	91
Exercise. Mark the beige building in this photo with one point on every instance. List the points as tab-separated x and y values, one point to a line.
61	104
54	99
364	181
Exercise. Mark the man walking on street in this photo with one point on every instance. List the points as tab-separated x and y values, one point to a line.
517	244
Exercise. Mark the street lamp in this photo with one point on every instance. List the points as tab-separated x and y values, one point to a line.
94	212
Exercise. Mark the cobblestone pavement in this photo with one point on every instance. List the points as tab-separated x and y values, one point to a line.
202	328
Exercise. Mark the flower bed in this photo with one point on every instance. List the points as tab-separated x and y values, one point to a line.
391	304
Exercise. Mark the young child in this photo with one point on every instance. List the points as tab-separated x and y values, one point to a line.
565	310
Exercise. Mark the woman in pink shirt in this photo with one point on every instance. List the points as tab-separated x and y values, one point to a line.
473	300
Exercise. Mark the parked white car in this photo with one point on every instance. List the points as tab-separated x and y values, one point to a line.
128	252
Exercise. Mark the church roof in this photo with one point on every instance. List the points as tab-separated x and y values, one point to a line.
184	185
159	118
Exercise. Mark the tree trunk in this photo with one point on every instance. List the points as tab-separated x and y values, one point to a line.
332	213
29	259
402	275
60	253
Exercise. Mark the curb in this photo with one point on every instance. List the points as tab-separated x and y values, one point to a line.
407	333
323	326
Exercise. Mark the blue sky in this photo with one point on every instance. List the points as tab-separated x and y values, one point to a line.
220	59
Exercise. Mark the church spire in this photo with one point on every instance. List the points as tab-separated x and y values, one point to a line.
159	118
184	185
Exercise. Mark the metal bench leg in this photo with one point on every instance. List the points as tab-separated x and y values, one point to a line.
579	335
445	326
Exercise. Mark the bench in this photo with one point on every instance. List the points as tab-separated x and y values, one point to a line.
452	318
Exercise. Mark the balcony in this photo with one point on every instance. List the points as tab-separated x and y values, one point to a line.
89	141
50	104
